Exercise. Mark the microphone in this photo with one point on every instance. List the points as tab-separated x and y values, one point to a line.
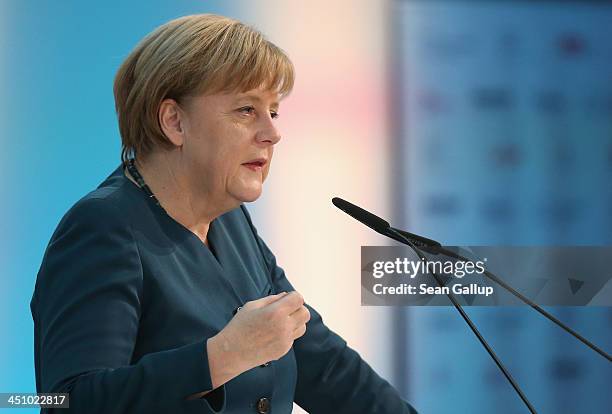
434	247
371	220
382	226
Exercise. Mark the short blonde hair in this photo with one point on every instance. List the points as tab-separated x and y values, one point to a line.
188	56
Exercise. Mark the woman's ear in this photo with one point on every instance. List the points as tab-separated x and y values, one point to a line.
171	122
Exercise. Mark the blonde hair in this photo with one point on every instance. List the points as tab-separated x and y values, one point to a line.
188	56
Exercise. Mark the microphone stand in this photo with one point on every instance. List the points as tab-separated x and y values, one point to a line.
400	237
433	247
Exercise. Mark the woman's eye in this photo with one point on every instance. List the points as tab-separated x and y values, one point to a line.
247	110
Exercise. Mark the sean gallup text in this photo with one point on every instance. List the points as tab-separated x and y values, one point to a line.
424	289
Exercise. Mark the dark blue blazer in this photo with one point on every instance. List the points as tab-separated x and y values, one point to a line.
126	298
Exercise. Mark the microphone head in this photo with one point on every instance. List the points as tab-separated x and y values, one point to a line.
372	221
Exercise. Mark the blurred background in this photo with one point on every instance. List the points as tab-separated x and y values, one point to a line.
472	122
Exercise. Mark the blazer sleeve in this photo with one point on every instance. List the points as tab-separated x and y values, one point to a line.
86	309
332	377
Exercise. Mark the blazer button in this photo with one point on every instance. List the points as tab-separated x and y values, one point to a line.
263	405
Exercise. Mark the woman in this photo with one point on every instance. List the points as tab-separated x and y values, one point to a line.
156	295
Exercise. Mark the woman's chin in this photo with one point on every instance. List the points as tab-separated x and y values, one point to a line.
249	194
250	198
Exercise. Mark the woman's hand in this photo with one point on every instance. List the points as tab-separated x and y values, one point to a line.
263	330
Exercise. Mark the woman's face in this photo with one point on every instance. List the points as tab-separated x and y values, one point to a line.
228	143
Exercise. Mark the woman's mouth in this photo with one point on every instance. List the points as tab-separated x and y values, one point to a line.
255	165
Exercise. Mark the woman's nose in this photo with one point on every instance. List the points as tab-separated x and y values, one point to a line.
268	132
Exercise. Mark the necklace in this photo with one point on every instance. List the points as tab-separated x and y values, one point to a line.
131	166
